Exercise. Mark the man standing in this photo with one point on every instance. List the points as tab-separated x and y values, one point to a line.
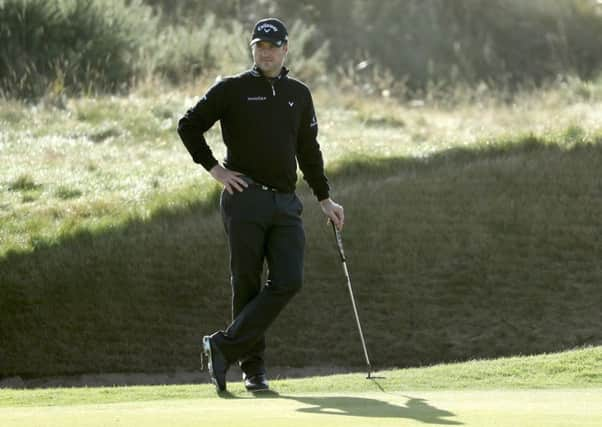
268	125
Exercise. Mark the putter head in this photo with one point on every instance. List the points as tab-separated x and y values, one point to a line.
371	375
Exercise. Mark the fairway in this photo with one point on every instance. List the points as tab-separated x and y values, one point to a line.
470	408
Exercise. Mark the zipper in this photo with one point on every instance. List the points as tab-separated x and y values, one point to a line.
272	84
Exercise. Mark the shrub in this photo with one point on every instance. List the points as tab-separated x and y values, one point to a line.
182	53
70	46
91	46
210	46
500	43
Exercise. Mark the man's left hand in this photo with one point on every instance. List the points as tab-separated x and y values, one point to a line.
334	212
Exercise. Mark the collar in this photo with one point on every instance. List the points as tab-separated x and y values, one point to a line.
256	72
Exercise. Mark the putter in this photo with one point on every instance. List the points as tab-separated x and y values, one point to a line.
339	240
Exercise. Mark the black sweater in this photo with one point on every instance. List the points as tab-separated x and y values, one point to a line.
267	125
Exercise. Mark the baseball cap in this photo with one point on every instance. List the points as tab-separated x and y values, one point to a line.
270	30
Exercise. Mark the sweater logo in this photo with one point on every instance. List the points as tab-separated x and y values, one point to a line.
256	98
291	103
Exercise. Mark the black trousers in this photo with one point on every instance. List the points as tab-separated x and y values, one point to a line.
261	225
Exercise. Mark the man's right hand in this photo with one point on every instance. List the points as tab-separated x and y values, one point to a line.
231	180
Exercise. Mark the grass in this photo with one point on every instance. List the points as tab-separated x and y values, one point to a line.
575	369
471	232
23	183
496	408
122	153
477	409
552	389
97	161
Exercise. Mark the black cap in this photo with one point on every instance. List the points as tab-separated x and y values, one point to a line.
270	30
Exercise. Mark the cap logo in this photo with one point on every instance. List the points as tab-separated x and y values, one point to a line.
267	27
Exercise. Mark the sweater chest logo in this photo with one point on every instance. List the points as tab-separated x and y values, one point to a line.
256	98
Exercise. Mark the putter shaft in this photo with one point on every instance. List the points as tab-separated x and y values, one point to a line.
339	241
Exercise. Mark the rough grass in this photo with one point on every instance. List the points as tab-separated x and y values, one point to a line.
120	155
471	232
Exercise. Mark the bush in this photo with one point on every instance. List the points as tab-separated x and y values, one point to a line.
499	43
402	46
505	43
210	47
69	45
182	53
308	55
90	46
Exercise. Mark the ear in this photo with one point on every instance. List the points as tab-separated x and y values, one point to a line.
285	48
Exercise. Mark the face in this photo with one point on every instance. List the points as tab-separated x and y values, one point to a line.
269	58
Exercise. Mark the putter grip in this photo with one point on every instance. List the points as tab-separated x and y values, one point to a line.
339	240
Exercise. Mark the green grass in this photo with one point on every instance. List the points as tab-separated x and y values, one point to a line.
477	409
562	389
576	369
471	232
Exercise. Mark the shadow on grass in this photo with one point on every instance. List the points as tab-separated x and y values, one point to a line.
416	409
470	253
413	408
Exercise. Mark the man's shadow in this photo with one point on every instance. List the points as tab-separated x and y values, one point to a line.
414	408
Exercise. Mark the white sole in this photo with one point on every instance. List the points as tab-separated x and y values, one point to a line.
207	351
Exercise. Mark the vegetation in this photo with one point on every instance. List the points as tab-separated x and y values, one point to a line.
406	47
54	49
437	42
553	389
471	232
472	196
569	370
48	47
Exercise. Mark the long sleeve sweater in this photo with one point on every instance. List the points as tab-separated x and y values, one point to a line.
268	126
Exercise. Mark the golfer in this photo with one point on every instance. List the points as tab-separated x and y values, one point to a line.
268	125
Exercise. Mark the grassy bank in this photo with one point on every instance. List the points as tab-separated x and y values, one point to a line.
95	163
471	232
